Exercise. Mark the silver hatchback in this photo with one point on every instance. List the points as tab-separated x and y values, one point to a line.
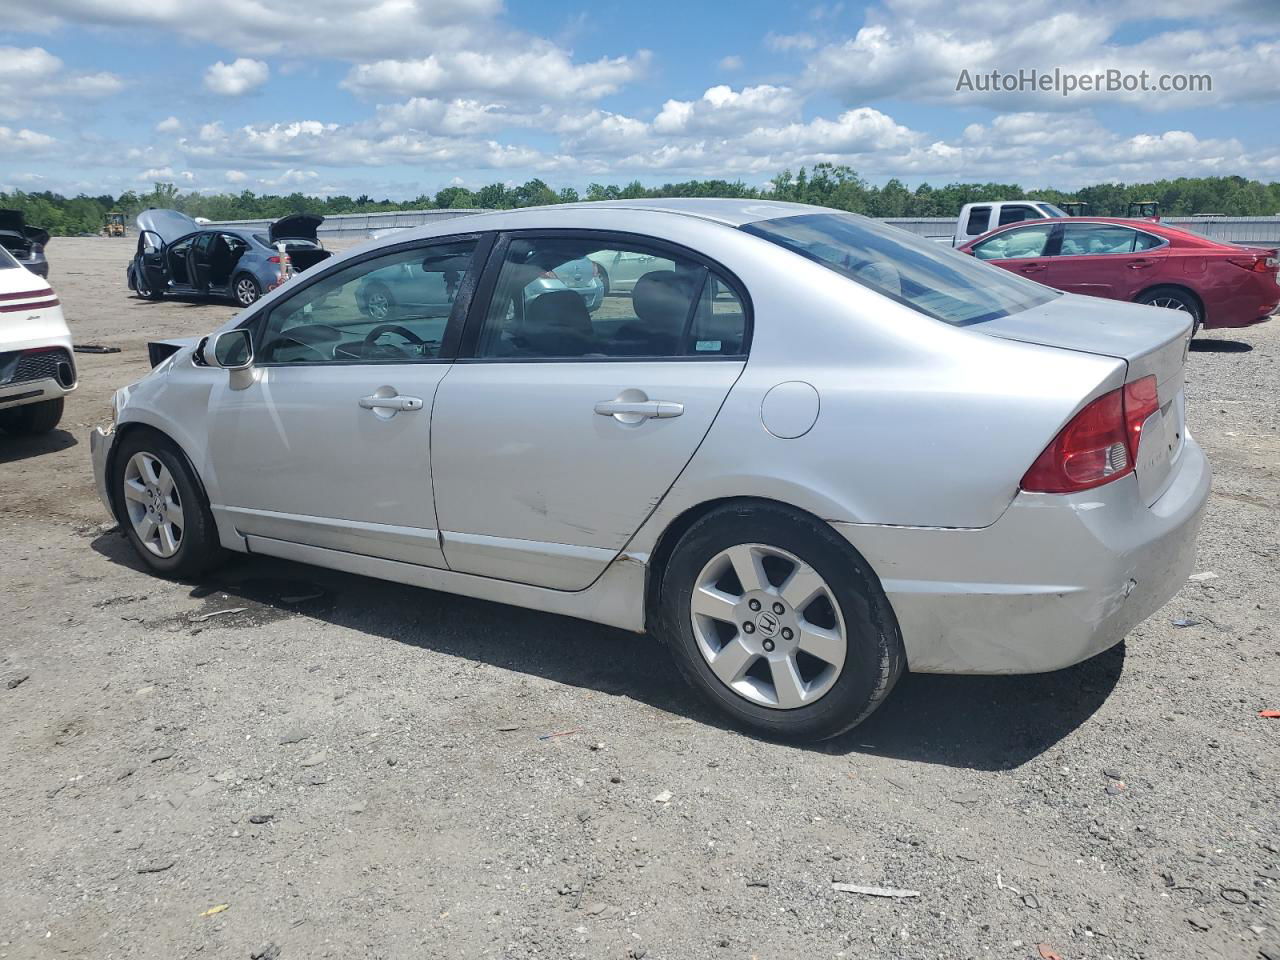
806	450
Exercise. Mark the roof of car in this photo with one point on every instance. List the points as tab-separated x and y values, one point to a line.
732	212
1137	223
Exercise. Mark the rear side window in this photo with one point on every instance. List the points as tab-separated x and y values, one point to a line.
927	276
1015	244
1097	239
572	298
979	217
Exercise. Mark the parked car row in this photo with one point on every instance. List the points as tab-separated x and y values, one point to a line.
806	449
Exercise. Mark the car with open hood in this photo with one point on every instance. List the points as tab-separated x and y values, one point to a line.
806	450
179	256
25	242
37	368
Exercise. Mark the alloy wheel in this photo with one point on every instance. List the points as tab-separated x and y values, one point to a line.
768	626
154	505
379	305
246	291
1170	303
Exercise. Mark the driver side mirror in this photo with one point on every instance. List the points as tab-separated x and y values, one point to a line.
230	350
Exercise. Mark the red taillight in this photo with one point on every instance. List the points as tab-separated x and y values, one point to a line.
273	259
1099	445
1252	264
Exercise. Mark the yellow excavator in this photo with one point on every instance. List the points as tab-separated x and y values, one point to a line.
114	224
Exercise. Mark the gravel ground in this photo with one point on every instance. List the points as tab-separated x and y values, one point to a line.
347	768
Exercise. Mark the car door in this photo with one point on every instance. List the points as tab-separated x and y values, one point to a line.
199	256
1023	250
151	262
330	444
560	428
1105	260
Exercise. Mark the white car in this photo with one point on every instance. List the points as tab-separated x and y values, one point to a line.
36	366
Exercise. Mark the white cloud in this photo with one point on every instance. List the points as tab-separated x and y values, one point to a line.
236	78
917	49
30	74
731	62
722	107
236	176
545	72
169	125
24	141
787	42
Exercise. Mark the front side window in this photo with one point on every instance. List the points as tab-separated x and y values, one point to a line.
389	308
927	276
1015	244
552	301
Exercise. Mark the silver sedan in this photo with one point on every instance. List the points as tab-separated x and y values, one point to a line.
806	450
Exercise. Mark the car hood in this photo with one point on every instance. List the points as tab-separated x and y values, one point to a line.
1149	339
168	225
297	226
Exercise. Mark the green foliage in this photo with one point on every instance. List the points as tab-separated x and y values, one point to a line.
826	184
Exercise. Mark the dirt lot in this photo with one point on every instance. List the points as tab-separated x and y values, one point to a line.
358	769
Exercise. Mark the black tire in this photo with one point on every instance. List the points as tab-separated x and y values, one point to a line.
143	288
199	549
245	290
874	657
604	278
33	418
1175	298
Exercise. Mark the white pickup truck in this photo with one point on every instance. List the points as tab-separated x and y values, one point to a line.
977	218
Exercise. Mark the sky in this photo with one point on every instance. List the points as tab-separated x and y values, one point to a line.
396	98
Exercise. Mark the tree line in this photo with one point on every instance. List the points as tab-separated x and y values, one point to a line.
826	184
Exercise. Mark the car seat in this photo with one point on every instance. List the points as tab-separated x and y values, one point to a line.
557	324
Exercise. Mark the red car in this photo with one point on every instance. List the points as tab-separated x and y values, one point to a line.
1219	284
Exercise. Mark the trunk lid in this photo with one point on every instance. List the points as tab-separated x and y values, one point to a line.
1151	341
297	226
13	221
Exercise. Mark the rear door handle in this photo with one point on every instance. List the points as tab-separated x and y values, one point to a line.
397	403
1140	264
633	411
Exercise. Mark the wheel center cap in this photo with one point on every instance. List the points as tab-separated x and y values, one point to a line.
768	624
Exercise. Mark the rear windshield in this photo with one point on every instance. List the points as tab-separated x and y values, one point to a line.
922	274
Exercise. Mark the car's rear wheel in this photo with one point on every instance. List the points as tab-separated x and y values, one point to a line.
1174	298
604	278
246	290
779	622
33	418
165	514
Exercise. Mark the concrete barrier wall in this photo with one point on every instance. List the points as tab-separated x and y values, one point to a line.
1261	230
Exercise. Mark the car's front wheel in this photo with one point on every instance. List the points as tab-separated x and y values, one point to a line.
779	622
165	514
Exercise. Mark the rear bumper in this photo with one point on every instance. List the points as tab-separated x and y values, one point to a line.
1054	581
33	391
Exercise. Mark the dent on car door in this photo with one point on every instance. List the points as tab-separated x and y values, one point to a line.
566	419
329	446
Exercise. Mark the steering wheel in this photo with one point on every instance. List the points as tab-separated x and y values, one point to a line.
371	337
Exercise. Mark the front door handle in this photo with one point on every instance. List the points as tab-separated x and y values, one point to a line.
633	411
1033	267
396	403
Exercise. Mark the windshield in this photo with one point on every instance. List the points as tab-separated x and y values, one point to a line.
922	274
1051	211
